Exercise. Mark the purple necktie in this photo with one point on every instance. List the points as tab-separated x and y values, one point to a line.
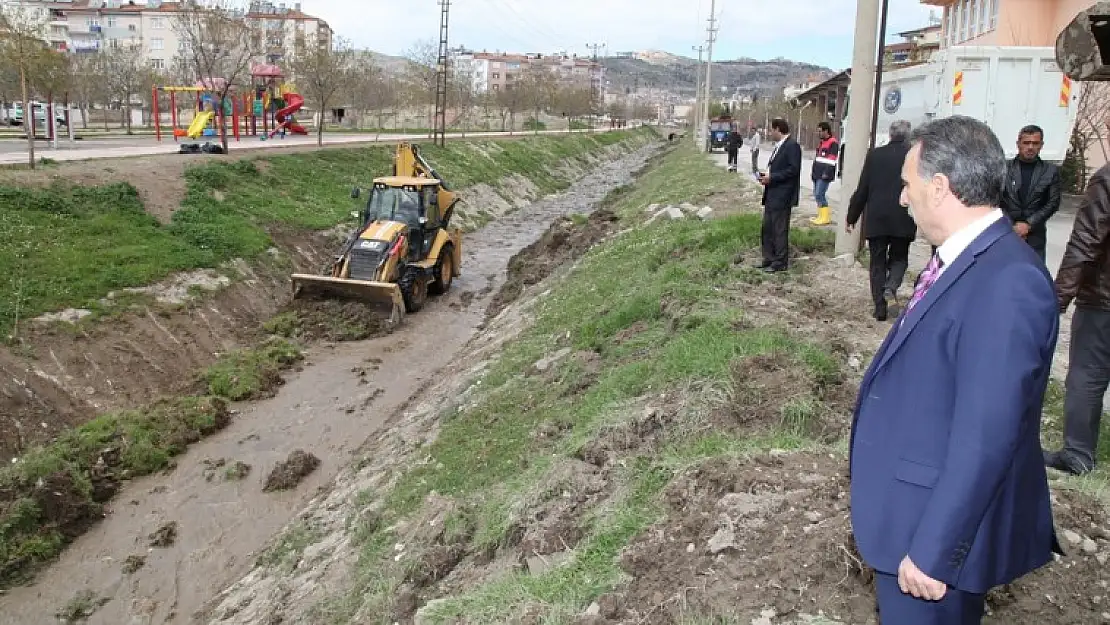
925	280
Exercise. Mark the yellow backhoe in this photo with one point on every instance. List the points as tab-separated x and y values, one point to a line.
403	248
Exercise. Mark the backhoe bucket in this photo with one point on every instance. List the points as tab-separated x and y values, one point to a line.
385	296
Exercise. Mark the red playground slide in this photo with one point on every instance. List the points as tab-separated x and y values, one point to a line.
285	119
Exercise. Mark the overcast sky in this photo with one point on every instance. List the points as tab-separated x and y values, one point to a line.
817	31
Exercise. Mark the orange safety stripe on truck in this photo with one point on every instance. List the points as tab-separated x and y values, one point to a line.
1065	92
958	89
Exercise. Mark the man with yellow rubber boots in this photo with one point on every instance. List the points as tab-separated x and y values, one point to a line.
824	172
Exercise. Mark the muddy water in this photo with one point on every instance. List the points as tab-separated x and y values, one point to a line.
325	409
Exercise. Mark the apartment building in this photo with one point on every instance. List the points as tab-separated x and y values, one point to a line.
501	71
917	46
1005	22
84	26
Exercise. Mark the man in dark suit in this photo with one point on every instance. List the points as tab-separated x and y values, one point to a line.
782	186
949	493
1032	193
889	228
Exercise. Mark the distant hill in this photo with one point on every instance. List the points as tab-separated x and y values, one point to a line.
392	64
679	74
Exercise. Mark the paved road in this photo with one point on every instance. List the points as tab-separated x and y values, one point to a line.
15	151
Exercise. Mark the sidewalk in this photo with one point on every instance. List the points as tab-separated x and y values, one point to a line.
81	151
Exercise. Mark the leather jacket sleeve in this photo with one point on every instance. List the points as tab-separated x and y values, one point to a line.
1052	204
1088	235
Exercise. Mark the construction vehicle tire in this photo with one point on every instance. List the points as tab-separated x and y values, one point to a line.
414	289
444	271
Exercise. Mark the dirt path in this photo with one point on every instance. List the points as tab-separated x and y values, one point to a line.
326	409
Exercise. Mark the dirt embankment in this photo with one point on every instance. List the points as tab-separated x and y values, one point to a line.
563	242
61	373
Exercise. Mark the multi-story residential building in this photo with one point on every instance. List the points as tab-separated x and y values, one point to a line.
501	71
1005	22
82	26
916	46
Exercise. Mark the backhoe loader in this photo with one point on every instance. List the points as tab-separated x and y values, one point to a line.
403	248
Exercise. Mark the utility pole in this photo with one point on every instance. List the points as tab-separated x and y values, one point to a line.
708	82
859	118
878	73
441	76
697	96
599	95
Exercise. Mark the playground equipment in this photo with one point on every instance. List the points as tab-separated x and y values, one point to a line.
283	101
267	110
284	116
205	120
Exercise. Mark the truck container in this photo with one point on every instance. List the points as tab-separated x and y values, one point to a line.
1005	87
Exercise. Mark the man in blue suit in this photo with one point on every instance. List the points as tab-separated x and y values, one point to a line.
949	492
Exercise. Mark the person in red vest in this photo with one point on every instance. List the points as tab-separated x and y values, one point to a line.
824	172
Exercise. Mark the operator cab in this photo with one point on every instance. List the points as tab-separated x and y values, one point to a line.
408	200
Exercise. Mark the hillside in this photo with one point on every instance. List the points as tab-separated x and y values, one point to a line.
680	74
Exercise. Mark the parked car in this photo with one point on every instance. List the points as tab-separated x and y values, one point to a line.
15	114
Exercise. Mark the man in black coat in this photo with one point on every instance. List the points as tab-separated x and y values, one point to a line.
1032	193
735	142
782	186
889	228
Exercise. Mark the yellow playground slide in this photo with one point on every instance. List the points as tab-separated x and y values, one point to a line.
200	122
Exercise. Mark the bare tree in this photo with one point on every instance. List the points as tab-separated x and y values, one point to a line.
463	95
539	91
617	108
22	47
125	74
374	89
574	102
512	100
219	45
420	78
86	85
1091	118
322	69
644	111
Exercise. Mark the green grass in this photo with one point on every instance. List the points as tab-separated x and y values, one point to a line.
673	282
1095	483
682	177
250	373
68	246
287	551
132	443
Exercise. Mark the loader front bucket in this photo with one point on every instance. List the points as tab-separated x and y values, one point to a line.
384	296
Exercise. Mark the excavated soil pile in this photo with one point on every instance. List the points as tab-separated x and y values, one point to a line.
772	537
288	473
566	240
337	320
